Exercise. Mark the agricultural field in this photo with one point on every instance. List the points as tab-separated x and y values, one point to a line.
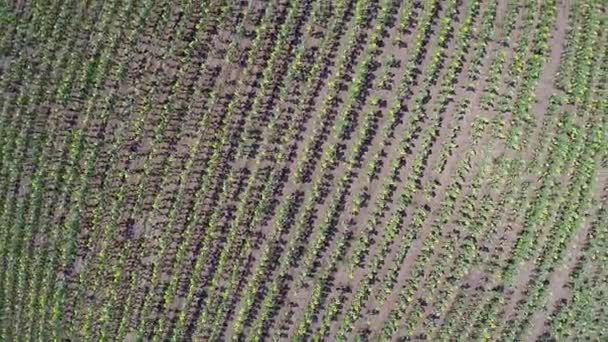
323	170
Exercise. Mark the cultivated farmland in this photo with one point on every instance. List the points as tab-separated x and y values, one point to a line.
345	170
